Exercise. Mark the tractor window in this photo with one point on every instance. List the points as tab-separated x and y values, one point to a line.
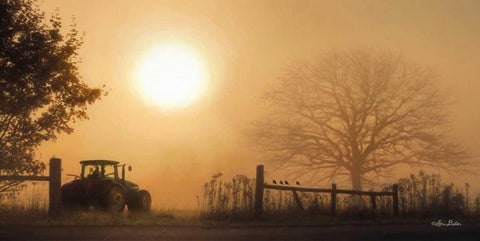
99	171
92	171
109	171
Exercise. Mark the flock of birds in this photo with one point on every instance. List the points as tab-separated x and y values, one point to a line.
284	182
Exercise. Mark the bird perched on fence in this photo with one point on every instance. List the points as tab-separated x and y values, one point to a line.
298	183
274	182
286	182
281	182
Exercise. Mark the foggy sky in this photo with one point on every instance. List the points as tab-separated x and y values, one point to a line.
245	45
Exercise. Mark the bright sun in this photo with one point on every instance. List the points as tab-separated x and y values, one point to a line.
171	76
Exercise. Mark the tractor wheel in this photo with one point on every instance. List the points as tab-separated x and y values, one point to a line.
113	198
144	200
139	201
66	193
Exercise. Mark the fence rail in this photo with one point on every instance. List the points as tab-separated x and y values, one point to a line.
54	188
325	190
261	186
24	178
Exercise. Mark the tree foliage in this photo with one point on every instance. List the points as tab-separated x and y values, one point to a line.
41	89
357	114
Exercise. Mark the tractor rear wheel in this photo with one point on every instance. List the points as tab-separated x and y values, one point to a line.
113	198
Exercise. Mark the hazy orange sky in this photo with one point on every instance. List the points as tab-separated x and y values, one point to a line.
245	45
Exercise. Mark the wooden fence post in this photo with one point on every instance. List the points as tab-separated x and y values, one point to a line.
395	200
55	187
333	199
260	181
373	198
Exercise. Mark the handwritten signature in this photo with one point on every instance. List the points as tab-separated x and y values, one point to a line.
449	224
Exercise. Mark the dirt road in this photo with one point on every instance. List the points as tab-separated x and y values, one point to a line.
339	232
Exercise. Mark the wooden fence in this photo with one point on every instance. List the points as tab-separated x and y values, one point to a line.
261	186
54	188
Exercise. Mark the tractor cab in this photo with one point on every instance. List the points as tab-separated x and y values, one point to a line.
102	169
99	169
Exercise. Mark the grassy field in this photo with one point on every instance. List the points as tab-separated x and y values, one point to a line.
422	198
14	216
30	207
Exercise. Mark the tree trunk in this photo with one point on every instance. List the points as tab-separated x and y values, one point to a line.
356	179
357	185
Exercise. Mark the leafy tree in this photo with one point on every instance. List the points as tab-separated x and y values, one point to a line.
357	114
41	89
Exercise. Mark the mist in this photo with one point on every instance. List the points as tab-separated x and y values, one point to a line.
245	45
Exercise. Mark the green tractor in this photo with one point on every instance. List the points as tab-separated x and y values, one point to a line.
99	185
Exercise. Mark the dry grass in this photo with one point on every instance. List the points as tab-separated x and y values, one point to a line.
30	207
420	196
16	216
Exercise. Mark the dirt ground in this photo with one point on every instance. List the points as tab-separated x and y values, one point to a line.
277	233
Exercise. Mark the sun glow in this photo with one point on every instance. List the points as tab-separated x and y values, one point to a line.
171	76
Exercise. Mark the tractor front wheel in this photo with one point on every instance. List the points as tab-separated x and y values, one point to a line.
139	201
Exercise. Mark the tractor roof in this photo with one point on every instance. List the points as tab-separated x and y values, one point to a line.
99	162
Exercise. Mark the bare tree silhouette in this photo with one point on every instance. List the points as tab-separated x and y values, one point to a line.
357	113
